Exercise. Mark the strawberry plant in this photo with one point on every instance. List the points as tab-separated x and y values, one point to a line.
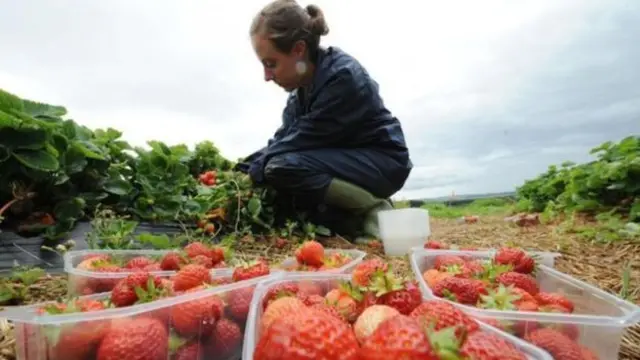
52	170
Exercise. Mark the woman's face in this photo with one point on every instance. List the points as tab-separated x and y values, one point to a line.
279	67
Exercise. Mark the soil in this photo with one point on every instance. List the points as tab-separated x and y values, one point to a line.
597	264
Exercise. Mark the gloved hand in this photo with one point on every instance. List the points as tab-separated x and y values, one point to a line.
256	171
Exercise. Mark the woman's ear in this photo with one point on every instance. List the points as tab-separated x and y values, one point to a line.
299	48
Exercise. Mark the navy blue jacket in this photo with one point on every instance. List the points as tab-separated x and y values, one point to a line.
342	109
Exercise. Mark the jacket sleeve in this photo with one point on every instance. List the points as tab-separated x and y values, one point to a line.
340	104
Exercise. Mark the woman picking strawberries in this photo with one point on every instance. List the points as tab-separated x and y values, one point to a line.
339	147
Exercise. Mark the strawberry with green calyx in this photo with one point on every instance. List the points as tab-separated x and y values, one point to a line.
401	294
246	271
150	292
519	280
491	271
517	258
310	253
364	272
439	315
445	343
175	342
441	262
345	299
173	261
502	298
461	290
138	262
278	291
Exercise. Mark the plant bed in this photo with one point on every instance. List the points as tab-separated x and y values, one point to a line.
19	251
301	307
95	271
521	301
179	317
311	256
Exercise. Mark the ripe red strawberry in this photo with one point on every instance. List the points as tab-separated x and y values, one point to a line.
203	260
196	317
191	276
138	262
485	346
250	271
281	243
278	291
326	308
86	305
92	261
282	307
404	300
311	288
462	290
399	337
100	284
442	262
217	255
364	271
197	248
311	300
225	340
147	338
370	319
555	343
310	335
239	302
79	341
172	261
123	295
522	281
546	299
442	315
310	253
137	287
368	299
435	245
517	258
343	300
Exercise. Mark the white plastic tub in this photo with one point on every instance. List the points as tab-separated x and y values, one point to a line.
356	257
85	282
80	335
402	229
598	321
329	281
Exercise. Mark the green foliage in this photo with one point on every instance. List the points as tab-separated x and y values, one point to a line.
54	172
49	165
480	207
606	189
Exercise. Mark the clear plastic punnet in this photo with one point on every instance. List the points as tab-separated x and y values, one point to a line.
329	281
201	324
543	257
87	282
289	264
597	323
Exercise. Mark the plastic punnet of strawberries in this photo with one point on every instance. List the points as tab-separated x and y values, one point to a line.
195	253
505	282
311	256
374	316
209	326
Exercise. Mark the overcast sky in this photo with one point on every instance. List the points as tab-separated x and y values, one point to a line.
489	92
